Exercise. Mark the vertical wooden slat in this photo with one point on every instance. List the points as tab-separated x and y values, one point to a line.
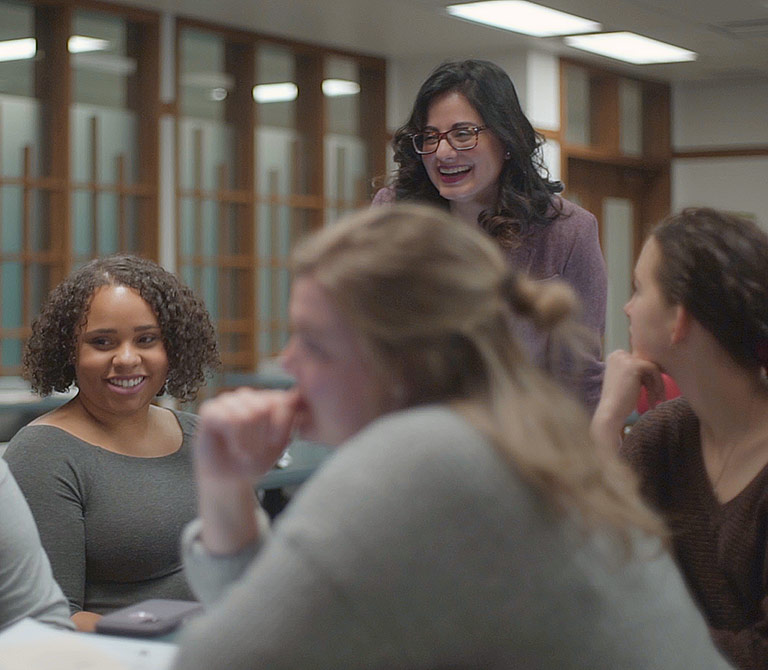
2	250
296	215
373	125
563	68
604	111
197	167
122	232
240	63
221	225
143	39
93	186
310	124
53	84
275	262
341	181
26	219
361	191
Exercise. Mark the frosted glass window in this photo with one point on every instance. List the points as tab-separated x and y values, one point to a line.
20	132
342	101
577	129
631	117
212	256
346	179
101	67
204	84
104	139
617	236
276	87
17	23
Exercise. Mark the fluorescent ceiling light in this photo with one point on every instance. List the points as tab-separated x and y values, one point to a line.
281	92
631	48
287	91
21	49
78	44
334	88
524	17
26	47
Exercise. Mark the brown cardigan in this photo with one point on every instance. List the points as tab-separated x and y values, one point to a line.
720	548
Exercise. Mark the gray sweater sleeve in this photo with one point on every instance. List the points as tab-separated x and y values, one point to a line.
416	546
52	489
27	587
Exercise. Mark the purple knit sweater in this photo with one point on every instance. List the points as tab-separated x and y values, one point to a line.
567	249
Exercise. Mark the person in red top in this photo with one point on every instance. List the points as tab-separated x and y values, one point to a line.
699	313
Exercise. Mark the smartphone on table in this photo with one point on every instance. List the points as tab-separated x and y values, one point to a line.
157	616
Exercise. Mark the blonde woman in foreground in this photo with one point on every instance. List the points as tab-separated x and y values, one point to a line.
465	520
700	313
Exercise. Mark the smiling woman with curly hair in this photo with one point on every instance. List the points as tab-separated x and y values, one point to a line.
187	333
108	475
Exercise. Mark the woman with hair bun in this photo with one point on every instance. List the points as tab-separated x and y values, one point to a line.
108	475
466	519
468	147
699	312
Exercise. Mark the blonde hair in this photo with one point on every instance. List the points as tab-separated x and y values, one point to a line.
432	301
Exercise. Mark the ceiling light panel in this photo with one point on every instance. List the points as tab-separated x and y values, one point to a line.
523	17
631	48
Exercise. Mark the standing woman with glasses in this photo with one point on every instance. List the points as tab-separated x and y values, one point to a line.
469	148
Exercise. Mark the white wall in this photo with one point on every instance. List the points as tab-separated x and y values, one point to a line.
721	115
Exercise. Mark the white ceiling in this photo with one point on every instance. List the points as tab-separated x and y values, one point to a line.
731	36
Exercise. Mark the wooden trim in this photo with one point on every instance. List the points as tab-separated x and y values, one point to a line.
232	34
598	155
130	13
53	87
311	125
604	119
240	62
563	91
224	31
722	152
656	121
144	99
549	134
373	98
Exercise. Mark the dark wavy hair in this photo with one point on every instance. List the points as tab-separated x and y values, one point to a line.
715	264
50	352
525	190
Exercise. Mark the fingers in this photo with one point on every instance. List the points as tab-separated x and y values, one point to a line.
625	375
245	431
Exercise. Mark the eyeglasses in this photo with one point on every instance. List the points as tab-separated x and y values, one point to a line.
461	139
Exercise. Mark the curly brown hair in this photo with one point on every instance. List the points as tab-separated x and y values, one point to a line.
50	352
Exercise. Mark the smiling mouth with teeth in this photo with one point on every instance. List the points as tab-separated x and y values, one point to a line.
127	383
454	170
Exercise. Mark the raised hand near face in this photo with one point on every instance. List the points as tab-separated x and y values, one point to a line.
243	433
625	375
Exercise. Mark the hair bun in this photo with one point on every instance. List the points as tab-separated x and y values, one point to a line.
546	303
